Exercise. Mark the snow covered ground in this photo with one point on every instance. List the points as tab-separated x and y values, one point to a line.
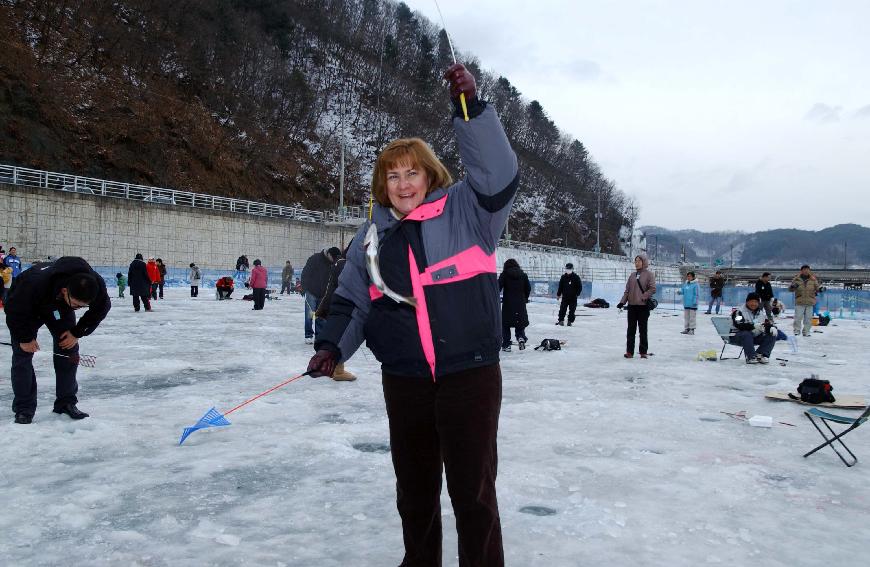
603	460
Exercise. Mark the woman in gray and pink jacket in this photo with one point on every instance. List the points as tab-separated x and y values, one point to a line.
440	358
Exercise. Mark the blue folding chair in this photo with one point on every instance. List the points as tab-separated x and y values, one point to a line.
825	417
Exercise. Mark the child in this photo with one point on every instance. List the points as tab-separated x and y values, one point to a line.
122	283
691	292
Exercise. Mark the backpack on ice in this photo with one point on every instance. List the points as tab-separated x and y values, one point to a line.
814	391
549	344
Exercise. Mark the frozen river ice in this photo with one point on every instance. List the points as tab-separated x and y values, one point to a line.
602	460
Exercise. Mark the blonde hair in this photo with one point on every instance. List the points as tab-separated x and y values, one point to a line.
416	153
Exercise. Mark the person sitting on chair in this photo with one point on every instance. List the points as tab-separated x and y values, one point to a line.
754	328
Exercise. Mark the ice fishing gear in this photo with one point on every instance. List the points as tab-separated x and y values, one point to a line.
214	418
550	344
453	54
814	391
86	360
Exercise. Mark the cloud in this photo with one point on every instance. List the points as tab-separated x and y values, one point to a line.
583	70
823	114
863	112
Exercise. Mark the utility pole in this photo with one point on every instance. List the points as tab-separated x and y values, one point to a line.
732	256
598	223
656	254
341	174
845	248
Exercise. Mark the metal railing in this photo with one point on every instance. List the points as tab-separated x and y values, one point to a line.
99	187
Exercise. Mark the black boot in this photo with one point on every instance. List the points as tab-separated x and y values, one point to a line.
23	418
72	411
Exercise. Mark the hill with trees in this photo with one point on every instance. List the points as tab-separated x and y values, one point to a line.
253	99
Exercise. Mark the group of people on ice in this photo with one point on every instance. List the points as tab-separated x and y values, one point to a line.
754	321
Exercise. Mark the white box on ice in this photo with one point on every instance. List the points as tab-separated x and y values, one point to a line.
761	421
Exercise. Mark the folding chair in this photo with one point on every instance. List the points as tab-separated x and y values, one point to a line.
825	417
723	329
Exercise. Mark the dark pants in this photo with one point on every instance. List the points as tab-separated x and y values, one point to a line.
24	377
748	342
160	287
194	291
638	316
144	299
121	291
259	297
286	286
506	334
570	305
154	290
223	292
454	422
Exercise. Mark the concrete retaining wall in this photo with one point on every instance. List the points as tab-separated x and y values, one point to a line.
109	232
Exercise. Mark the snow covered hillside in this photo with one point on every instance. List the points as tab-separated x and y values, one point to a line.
603	461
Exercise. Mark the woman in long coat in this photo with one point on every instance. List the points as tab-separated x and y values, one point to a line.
516	289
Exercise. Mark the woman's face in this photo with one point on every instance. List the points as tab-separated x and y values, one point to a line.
406	187
638	263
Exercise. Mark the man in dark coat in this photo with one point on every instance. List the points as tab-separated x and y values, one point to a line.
315	276
516	289
50	294
140	283
765	292
717	285
569	290
322	313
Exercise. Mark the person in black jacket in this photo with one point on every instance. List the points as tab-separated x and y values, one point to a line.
140	283
322	314
516	289
315	276
569	290
50	294
765	292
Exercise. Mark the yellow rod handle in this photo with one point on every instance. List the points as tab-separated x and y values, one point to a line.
464	108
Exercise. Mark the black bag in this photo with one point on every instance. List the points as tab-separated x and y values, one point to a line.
824	320
549	344
652	302
814	391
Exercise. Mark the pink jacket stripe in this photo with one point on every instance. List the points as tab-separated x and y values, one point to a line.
423	325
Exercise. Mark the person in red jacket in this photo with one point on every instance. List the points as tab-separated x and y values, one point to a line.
259	280
153	275
224	287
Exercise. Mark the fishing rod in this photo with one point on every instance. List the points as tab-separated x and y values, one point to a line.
453	54
86	360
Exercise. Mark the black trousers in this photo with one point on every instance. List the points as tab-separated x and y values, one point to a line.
570	305
506	334
24	377
286	286
259	297
451	422
160	287
143	299
154	290
638	316
194	291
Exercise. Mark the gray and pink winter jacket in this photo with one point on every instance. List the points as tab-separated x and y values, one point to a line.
443	254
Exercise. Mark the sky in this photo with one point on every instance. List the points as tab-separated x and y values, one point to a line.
712	115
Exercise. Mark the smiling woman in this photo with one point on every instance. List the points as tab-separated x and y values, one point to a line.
407	170
435	241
